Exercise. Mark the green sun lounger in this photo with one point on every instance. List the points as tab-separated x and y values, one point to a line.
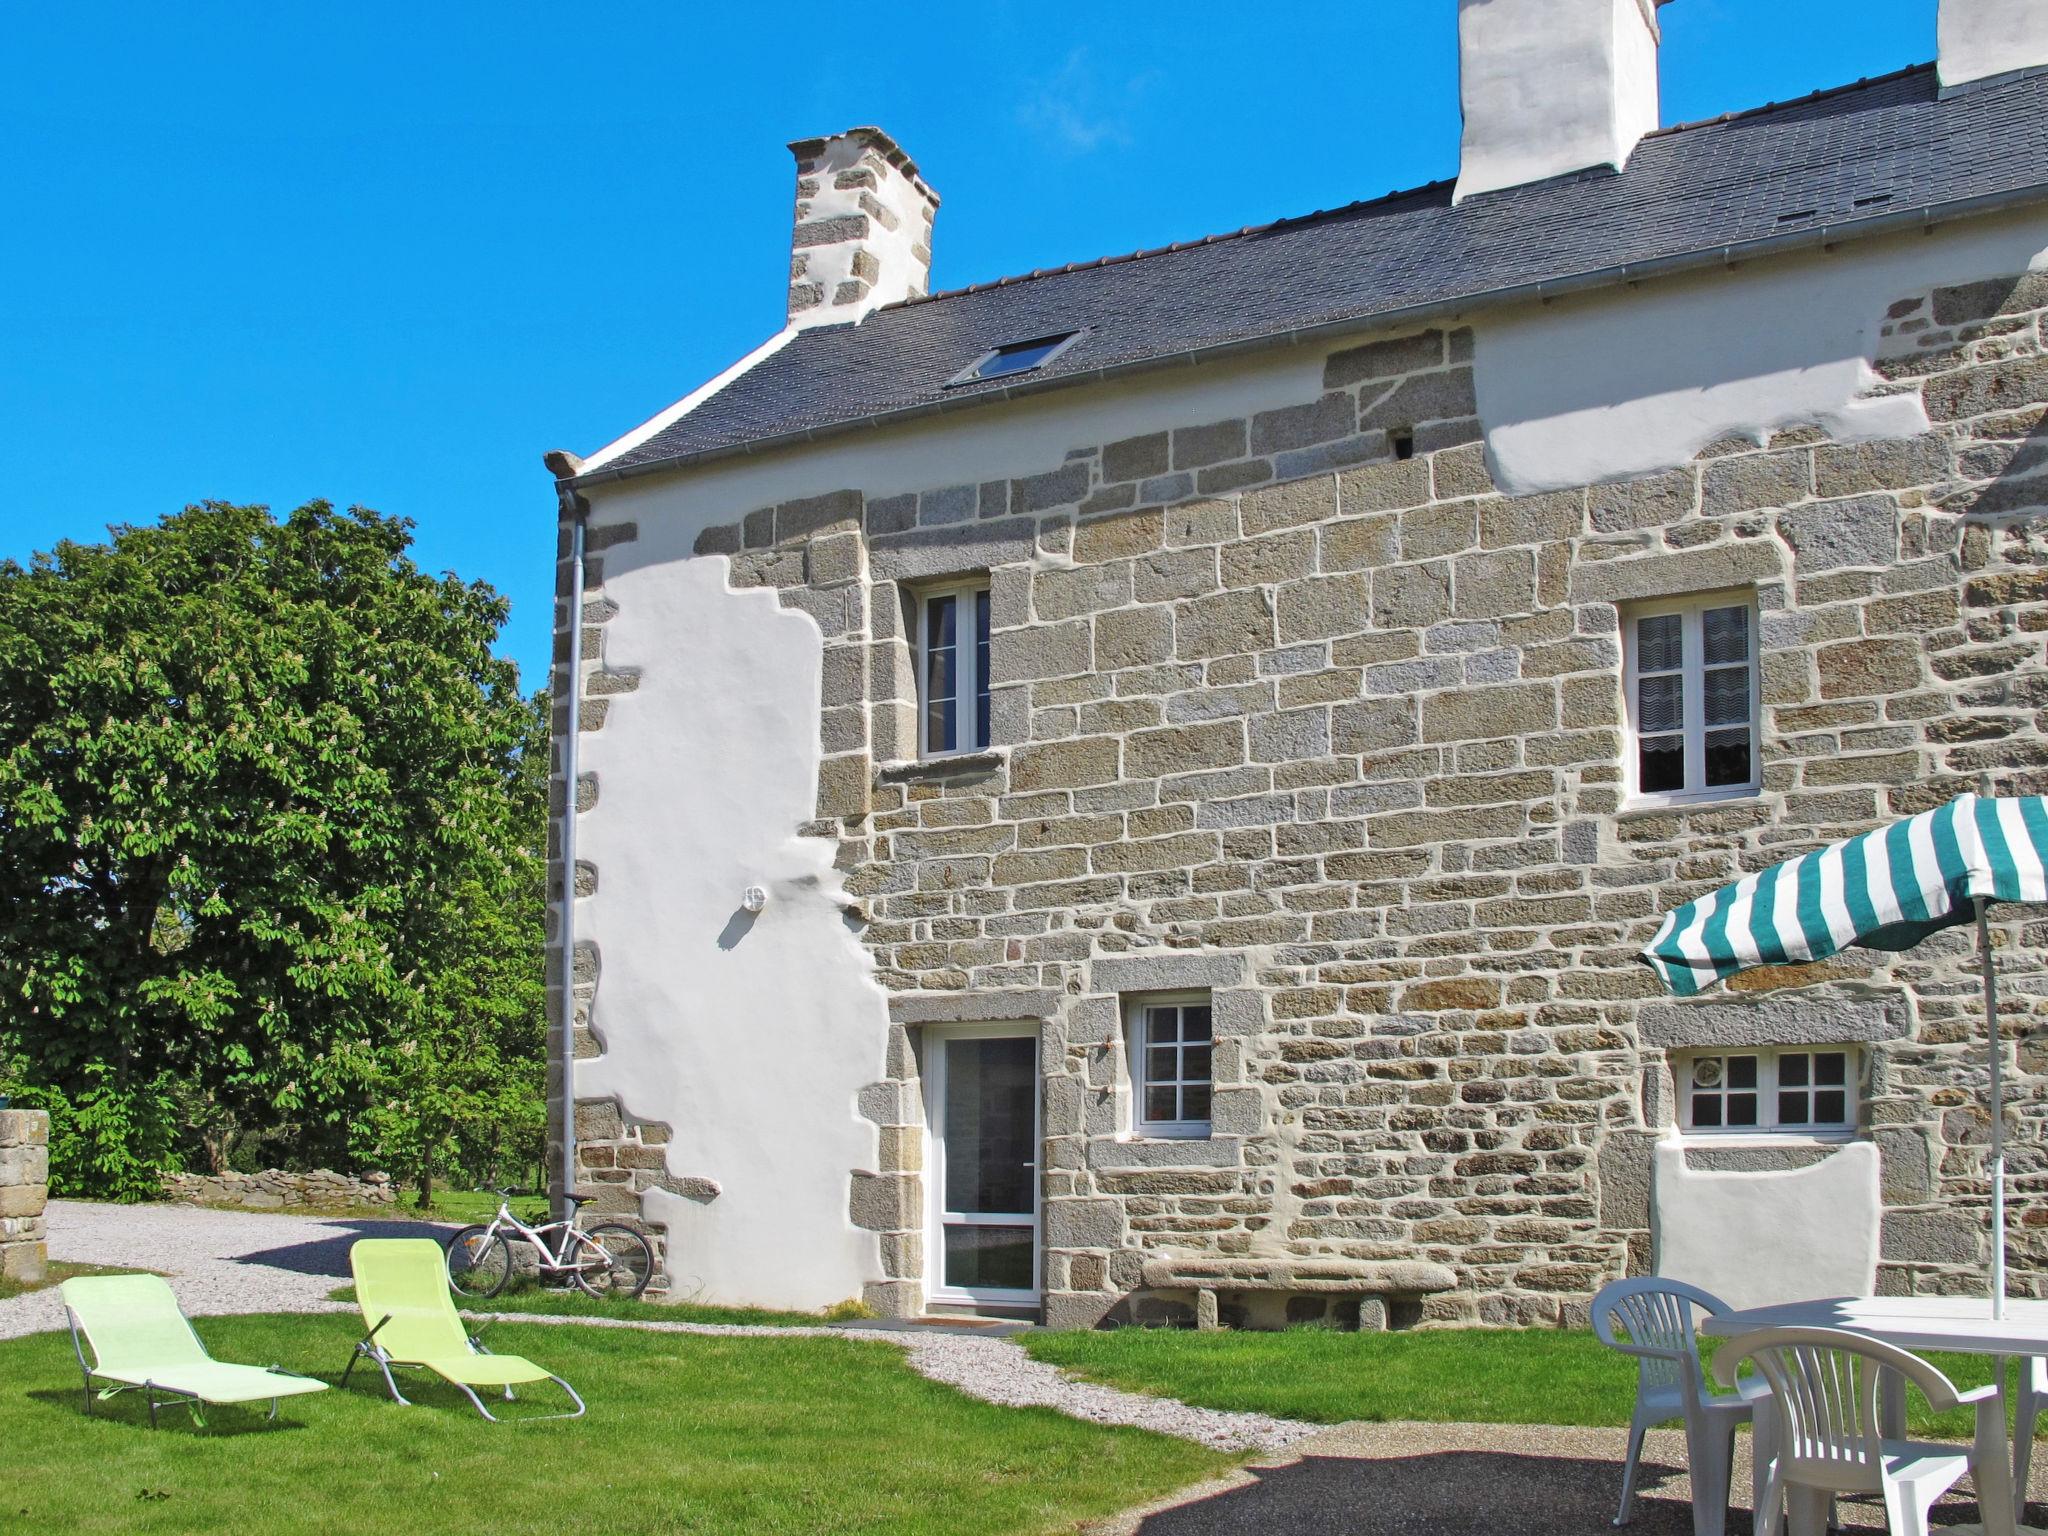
141	1342
402	1287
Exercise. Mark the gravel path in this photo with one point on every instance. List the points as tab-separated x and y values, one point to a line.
218	1261
222	1262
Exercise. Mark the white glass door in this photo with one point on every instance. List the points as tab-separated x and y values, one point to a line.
981	1090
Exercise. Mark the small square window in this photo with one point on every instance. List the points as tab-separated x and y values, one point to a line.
1171	1049
1014	357
1768	1090
1690	680
952	670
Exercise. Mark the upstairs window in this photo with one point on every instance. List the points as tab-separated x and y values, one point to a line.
1171	1041
1015	357
1690	675
1770	1090
952	669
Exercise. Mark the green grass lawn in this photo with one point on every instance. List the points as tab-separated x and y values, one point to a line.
56	1274
685	1434
550	1301
1483	1376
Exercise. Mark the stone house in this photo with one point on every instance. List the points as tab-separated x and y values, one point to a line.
1147	780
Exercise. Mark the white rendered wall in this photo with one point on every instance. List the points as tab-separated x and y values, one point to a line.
1551	86
749	1036
1628	381
1983	38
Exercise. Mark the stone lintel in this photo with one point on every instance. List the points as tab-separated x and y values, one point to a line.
1166	971
1629	579
1778	1020
974	1007
955	549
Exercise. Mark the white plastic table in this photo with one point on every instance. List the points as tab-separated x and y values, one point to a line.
1923	1324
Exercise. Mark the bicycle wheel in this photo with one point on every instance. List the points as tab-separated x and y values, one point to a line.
613	1260
479	1263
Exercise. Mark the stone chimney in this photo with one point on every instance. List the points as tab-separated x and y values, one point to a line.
1551	86
1982	39
863	233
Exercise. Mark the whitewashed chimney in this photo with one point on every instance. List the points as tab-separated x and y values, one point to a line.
863	234
1551	86
1981	39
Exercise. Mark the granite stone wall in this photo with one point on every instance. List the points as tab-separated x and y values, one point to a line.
1297	708
24	1194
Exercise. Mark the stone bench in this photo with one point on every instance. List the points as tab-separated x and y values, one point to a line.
1389	1290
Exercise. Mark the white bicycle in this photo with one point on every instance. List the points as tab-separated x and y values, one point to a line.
609	1259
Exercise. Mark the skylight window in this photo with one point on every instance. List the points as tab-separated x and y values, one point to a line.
1014	357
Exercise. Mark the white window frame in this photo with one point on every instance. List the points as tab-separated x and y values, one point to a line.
1690	608
1135	1008
966	665
1768	1124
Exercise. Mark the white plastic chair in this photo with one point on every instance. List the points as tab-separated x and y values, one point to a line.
1829	1435
2033	1393
1655	1319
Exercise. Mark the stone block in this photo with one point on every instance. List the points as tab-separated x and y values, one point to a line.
1118	537
1494	585
1411	596
1889	464
1289	505
1323	607
1195	447
1827	536
1869	668
1360	543
1225	624
1065	764
24	1127
1374	725
1136	458
1444	396
885	1202
1978	391
1934	1237
1485	714
24	1164
23	1199
1384	359
1651	501
1753	480
1384	487
1263	562
1298	426
1096	1223
27	1263
1041	651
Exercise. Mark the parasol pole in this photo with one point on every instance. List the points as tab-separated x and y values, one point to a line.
1984	791
1997	1116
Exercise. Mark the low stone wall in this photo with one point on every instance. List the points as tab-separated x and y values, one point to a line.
274	1189
24	1192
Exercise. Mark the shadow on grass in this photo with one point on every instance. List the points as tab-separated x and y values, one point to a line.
130	1410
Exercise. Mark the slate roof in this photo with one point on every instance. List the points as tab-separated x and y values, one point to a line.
1867	154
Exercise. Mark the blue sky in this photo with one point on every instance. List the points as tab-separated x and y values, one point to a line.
387	254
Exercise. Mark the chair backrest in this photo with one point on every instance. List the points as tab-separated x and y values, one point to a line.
405	1279
1763	1238
1654	1319
132	1322
1824	1382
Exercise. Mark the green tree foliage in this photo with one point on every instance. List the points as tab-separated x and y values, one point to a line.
270	849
